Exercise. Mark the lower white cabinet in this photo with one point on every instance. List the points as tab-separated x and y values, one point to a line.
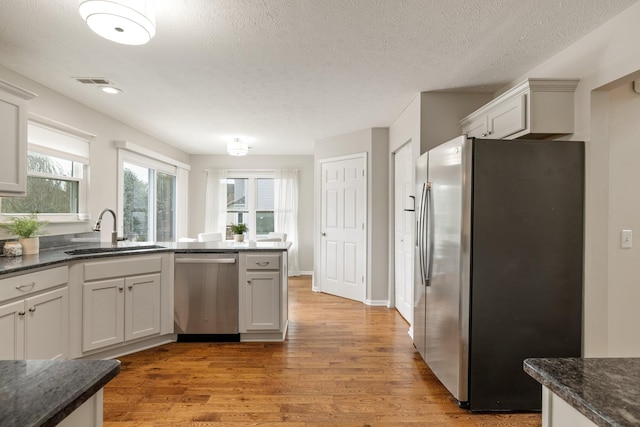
263	296
261	305
34	318
558	413
120	310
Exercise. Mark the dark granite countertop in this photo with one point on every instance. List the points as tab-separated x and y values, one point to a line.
59	255
606	391
44	392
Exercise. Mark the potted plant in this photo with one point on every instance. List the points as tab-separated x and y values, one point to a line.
238	231
27	229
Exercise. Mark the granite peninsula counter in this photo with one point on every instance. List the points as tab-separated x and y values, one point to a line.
585	392
37	393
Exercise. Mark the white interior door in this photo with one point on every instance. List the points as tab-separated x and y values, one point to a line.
403	231
342	245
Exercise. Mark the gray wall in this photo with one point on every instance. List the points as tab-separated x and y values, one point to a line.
304	164
374	142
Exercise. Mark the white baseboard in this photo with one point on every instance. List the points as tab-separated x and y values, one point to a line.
377	303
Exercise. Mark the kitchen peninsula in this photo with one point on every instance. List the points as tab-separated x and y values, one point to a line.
36	393
92	300
588	392
96	301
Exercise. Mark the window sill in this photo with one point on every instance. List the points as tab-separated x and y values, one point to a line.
53	218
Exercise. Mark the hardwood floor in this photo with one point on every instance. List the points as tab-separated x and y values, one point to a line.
343	364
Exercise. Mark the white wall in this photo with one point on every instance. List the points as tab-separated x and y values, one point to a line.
430	119
374	142
624	213
304	164
603	60
103	167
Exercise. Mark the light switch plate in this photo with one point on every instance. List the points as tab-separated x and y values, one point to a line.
626	239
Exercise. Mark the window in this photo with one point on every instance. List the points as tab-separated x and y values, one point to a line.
250	201
57	164
148	205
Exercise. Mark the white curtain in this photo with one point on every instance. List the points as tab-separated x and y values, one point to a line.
215	204
286	213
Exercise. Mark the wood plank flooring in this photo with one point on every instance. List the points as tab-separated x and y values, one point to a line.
343	364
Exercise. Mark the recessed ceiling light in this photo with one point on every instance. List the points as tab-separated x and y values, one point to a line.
110	89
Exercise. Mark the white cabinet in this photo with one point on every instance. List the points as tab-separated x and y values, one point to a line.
263	296
261	306
12	331
103	314
535	109
13	139
123	308
558	413
34	315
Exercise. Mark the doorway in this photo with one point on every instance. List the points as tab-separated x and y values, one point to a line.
403	231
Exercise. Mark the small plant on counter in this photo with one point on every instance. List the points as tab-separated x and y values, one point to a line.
24	226
239	228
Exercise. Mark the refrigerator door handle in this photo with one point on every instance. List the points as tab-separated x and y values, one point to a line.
420	234
428	263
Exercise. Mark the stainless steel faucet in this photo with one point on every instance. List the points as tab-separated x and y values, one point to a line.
114	233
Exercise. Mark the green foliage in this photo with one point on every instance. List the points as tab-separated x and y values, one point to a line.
24	226
136	206
239	228
44	195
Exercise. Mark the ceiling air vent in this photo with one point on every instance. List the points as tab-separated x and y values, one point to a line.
93	80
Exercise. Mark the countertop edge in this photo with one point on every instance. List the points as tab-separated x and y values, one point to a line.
563	391
57	256
66	407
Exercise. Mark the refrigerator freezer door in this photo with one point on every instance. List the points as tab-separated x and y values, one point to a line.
526	295
445	349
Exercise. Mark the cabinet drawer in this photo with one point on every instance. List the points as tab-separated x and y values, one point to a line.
28	283
122	267
263	261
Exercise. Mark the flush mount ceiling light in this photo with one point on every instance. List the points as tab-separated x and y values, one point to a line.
110	89
237	148
132	22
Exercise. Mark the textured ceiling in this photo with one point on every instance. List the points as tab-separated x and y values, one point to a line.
283	73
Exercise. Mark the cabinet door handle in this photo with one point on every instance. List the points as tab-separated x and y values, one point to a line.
28	285
120	288
263	263
32	309
21	313
130	287
249	281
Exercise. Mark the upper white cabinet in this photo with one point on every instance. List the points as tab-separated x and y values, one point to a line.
535	109
13	139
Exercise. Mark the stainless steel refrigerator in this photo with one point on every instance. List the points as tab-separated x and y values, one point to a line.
498	265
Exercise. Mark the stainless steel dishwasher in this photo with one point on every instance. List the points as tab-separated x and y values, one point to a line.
206	297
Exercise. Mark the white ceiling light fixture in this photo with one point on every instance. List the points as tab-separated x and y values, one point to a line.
237	148
110	90
131	22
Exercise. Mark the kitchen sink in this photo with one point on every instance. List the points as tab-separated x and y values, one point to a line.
99	250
